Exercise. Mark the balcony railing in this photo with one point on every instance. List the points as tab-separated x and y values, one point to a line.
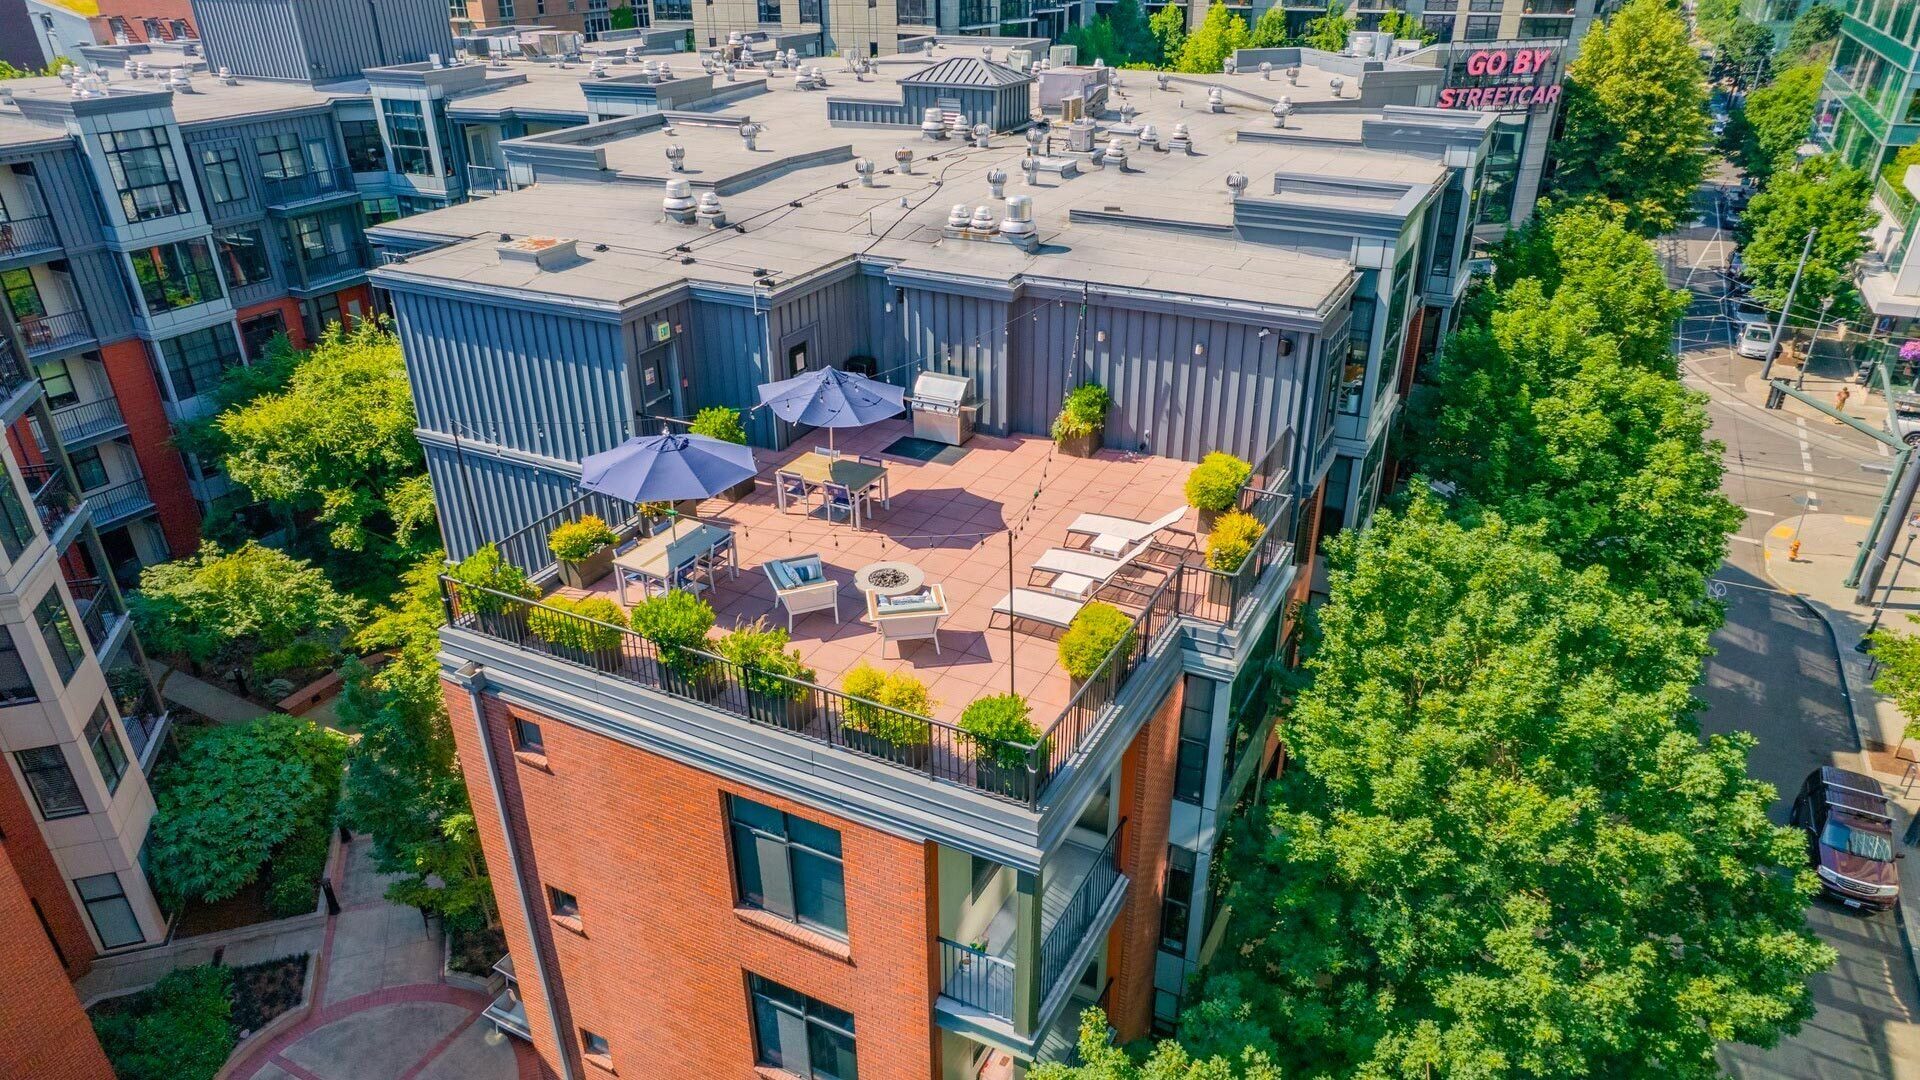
88	420
98	611
26	236
285	191
509	1013
1895	197
972	977
120	502
54	333
143	730
13	372
53	496
484	180
1077	917
333	264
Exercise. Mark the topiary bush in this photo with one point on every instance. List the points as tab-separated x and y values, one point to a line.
1233	538
574	541
181	1029
1215	483
564	621
719	422
1083	412
899	690
1095	632
993	724
677	623
486	568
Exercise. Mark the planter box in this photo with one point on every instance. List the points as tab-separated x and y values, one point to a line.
1083	446
1207	518
739	491
912	755
582	574
702	685
1008	780
781	711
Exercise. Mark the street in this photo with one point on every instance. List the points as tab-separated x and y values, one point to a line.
1777	675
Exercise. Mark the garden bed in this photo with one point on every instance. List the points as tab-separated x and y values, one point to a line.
248	907
474	952
264	991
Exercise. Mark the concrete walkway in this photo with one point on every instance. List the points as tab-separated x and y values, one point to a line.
220	706
382	1010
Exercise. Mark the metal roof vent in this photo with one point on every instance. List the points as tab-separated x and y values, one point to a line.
1162	78
1182	141
1216	101
1126	113
544	252
634	53
1117	155
863	167
1293	74
711	213
749	133
997	182
1031	167
904	158
1099	62
793	58
679	201
181	81
1150	137
227	79
731	71
1035	139
1266	71
983	221
1281	110
958	217
676	157
1337	83
1018	227
982	136
957	125
597	69
933	125
1228	67
1236	185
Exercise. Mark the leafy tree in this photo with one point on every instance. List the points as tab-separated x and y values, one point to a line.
1824	193
1504	850
1329	32
1405	27
180	1029
1777	118
1270	30
623	18
1898	678
1636	126
8	71
338	442
1811	39
238	386
1138	43
236	794
1716	18
1219	34
1169	28
1101	1060
226	606
1746	52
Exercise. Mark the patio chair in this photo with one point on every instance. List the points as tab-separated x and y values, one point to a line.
827	452
886	495
841	499
722	553
1079	574
908	618
788	485
1111	535
802	586
1041	607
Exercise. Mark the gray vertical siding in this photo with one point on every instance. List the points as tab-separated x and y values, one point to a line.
255	38
67	187
483	498
725	360
317	124
102	284
320	39
959	334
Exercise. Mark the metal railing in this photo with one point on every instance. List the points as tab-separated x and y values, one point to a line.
87	420
331	265
123	500
1898	202
53	496
97	610
933	748
142	729
526	547
484	180
22	236
1078	915
308	186
13	371
972	977
51	333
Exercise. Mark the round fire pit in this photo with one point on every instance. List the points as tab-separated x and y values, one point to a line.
889	578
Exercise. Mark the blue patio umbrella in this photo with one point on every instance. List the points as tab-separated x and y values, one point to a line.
663	468
831	398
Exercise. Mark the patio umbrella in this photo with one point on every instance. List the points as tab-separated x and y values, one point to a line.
664	468
831	398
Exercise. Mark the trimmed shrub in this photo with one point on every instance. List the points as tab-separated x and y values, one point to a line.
761	652
1094	633
297	868
677	623
304	655
896	689
1083	411
181	1029
719	422
1232	540
1215	483
992	723
562	621
486	568
573	541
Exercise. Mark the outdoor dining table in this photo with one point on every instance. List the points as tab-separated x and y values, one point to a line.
652	558
850	473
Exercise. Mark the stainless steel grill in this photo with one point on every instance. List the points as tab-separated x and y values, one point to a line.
943	408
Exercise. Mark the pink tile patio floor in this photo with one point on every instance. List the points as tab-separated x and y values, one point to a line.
953	522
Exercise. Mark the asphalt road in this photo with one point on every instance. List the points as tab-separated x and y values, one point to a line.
1775	675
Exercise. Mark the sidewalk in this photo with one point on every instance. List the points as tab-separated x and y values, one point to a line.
1822	382
208	700
1828	545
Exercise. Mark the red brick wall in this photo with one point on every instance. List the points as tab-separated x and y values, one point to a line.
659	967
1146	791
359	294
289	310
131	373
34	869
44	1034
135	10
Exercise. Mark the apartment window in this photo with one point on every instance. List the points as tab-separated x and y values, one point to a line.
88	471
320	236
526	736
770	11
144	173
419	204
23	295
379	211
243	253
788	865
280	156
1196	733
407	134
563	903
51	781
1483	27
195	361
57	382
320	313
1440	26
16	532
109	753
220	171
458	8
177	275
57	629
1176	904
916	12
107	906
506	10
799	1035
256	333
365	151
595	1045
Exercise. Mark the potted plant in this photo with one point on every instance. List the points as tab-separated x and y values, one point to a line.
769	673
1095	633
902	736
1232	540
723	423
1213	487
1080	429
484	585
1000	727
677	623
585	550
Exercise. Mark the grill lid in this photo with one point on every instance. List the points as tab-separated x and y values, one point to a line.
942	391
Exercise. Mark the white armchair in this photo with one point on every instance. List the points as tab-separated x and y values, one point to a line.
912	619
802	586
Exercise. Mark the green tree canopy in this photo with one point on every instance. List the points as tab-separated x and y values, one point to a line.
1746	52
623	18
1169	28
1716	18
1101	1060
1636	128
1823	193
1502	849
1138	44
1329	32
337	441
1778	118
1405	27
1811	39
1219	34
1270	30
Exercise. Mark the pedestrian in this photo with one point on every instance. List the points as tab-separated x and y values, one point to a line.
1840	397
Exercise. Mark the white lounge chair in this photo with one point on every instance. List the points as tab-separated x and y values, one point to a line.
1041	607
1078	573
1111	535
918	622
802	586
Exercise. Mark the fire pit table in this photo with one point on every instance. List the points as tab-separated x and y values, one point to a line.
889	578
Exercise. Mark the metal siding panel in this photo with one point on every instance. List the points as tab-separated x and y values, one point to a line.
254	38
101	283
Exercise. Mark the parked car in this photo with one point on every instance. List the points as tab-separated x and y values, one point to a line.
1849	837
1906	418
1753	335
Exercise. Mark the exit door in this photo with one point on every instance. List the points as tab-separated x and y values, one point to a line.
652	389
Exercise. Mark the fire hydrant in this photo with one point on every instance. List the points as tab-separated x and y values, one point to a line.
1793	551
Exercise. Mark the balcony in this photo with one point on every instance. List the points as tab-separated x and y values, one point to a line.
13	373
87	422
119	503
53	497
322	273
52	334
310	189
507	1011
484	180
100	613
23	238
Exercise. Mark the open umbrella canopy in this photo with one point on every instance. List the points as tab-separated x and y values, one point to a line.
663	468
831	398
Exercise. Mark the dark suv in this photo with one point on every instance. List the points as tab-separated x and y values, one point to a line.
1849	837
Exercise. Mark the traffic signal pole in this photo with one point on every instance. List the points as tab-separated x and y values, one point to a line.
1896	499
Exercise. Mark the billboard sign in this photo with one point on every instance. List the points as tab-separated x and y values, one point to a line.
1503	79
